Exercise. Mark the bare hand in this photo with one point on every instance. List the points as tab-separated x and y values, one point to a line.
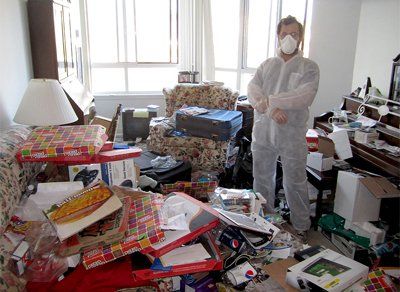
279	116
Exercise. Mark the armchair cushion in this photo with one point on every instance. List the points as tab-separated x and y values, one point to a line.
199	95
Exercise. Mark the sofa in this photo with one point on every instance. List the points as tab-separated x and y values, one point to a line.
204	154
14	179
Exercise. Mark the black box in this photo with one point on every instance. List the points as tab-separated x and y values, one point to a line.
135	122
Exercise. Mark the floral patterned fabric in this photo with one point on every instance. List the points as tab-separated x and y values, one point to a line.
199	95
14	178
204	154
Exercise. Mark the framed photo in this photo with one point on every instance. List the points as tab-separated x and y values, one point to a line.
394	93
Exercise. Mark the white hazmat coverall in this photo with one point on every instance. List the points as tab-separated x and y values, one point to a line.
290	86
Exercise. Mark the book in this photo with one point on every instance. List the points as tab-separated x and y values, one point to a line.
110	229
82	209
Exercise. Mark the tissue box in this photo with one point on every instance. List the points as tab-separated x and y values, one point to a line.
319	161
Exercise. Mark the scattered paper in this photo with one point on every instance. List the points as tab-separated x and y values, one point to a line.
185	255
365	121
177	222
342	144
283	253
50	193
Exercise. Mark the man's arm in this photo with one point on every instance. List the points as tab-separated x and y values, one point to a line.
254	92
301	97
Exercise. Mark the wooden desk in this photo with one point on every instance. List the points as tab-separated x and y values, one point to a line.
368	157
322	181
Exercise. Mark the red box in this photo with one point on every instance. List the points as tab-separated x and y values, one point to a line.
312	140
143	229
205	219
62	143
214	263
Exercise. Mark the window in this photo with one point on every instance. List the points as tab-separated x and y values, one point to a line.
133	46
247	36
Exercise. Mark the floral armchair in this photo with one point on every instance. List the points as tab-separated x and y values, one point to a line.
204	154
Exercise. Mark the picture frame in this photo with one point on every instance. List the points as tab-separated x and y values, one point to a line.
394	92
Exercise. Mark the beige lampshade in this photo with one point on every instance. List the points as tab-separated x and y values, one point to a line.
44	104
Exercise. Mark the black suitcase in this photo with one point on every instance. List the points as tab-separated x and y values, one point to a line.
218	125
181	171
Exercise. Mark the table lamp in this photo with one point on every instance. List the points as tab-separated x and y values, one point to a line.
44	104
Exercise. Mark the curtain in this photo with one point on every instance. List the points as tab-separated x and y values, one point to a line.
208	42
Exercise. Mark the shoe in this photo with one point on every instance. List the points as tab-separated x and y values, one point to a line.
302	236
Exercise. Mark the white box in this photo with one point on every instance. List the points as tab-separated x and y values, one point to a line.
353	201
345	246
327	271
122	172
88	174
319	162
365	137
113	173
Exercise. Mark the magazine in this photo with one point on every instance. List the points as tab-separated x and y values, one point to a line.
82	209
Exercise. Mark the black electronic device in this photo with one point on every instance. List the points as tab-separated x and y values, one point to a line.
301	255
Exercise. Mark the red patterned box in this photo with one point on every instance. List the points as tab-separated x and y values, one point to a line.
143	230
63	143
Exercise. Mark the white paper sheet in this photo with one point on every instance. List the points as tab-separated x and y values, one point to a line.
283	253
185	255
342	144
177	222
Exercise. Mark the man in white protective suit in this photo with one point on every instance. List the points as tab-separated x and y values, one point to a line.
281	92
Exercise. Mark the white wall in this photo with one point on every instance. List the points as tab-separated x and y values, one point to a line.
377	44
333	46
106	104
15	57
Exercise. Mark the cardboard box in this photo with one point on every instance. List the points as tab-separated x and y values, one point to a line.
326	146
319	162
365	137
358	199
326	271
123	172
349	248
143	230
199	216
144	269
277	271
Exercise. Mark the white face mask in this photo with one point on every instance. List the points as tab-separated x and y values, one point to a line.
288	45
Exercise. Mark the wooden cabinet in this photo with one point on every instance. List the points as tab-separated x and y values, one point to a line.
52	44
54	51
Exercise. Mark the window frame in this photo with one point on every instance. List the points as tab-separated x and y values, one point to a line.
125	65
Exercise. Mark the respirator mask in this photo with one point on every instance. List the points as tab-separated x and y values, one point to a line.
288	45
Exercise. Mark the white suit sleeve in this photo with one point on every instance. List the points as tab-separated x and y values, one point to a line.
254	89
302	96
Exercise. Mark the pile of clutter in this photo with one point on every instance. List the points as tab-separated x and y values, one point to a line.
173	242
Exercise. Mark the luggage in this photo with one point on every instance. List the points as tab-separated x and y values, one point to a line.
218	125
181	171
248	117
